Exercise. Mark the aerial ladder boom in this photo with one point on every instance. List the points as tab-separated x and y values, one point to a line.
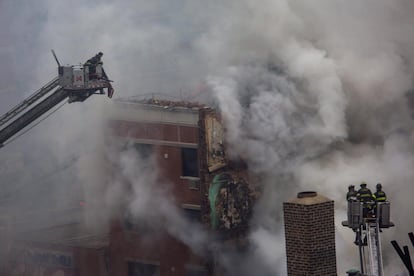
31	115
367	227
374	263
75	83
29	101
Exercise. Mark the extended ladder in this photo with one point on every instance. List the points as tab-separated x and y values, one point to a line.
367	228
29	101
374	261
32	114
73	82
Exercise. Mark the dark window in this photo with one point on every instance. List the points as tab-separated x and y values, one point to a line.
144	150
193	214
189	159
141	269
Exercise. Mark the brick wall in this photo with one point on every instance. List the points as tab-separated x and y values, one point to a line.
168	132
310	237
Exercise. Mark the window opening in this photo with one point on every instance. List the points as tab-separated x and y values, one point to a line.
189	159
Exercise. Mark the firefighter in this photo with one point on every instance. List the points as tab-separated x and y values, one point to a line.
379	195
365	195
91	64
351	195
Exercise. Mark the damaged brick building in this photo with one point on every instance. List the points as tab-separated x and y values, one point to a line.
186	140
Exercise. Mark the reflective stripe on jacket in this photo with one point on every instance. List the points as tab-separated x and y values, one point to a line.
380	196
351	195
364	194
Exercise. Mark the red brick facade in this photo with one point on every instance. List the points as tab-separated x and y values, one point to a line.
171	133
129	250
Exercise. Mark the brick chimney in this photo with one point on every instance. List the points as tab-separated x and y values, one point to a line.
310	235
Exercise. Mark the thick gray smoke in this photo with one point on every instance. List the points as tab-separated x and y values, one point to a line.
324	100
317	94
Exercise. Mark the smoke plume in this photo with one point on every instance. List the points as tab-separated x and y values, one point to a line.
325	99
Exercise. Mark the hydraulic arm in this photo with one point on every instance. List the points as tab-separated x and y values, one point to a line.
30	100
31	115
74	82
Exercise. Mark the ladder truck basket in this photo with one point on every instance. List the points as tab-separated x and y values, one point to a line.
355	214
384	213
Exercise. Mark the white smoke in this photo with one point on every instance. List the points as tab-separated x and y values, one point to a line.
138	189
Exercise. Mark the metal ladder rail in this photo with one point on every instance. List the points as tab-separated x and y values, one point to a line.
29	101
31	115
363	259
374	250
379	247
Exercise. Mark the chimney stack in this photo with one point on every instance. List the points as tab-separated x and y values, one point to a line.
310	235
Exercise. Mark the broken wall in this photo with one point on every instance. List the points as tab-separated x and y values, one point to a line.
227	189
